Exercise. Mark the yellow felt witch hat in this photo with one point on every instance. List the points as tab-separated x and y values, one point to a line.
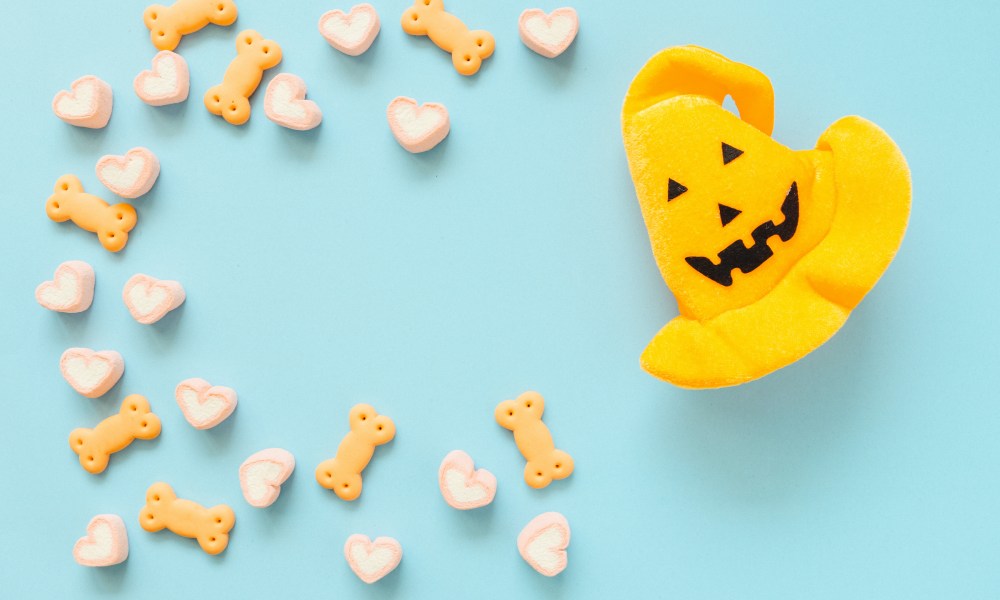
767	249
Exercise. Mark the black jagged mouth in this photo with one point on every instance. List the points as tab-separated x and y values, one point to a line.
738	256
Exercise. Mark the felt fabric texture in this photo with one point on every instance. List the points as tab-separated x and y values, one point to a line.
105	544
88	103
134	421
766	249
352	32
205	405
168	82
548	34
71	289
131	175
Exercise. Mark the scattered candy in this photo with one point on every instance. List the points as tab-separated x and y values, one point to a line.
71	289
131	175
133	421
231	98
204	405
370	560
524	417
462	486
167	24
164	510
149	299
417	128
105	544
91	373
90	213
88	103
548	34
543	543
351	33
342	473
285	103
468	48
262	475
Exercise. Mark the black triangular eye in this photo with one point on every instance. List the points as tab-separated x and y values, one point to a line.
729	154
674	189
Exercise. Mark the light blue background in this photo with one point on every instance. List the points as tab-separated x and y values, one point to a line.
327	268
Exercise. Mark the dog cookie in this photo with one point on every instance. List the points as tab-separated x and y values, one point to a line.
285	103
134	421
342	473
167	24
542	543
351	33
548	34
131	175
87	104
262	475
468	48
524	417
231	98
149	299
766	249
105	544
71	289
417	128
462	486
204	405
164	510
370	560
168	82
90	213
91	373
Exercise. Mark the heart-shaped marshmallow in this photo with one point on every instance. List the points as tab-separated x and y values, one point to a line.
149	299
462	486
205	405
285	103
418	128
90	372
548	34
262	474
87	104
370	560
543	543
105	544
131	175
351	33
70	291
168	82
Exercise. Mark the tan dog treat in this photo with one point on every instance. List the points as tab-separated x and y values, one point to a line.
524	417
167	24
468	48
90	213
133	422
164	510
231	98
342	473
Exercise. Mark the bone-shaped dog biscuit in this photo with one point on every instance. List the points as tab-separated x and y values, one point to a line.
231	98
90	213
468	48
164	510
95	446
524	417
167	24
342	473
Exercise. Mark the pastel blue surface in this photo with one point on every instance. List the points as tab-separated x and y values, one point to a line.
332	267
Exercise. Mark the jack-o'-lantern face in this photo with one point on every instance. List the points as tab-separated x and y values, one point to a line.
766	249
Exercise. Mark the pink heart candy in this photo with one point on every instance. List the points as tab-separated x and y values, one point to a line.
205	405
71	289
370	560
168	82
463	487
149	299
262	474
548	34
87	104
89	372
131	175
351	33
105	544
285	103
417	128
543	543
